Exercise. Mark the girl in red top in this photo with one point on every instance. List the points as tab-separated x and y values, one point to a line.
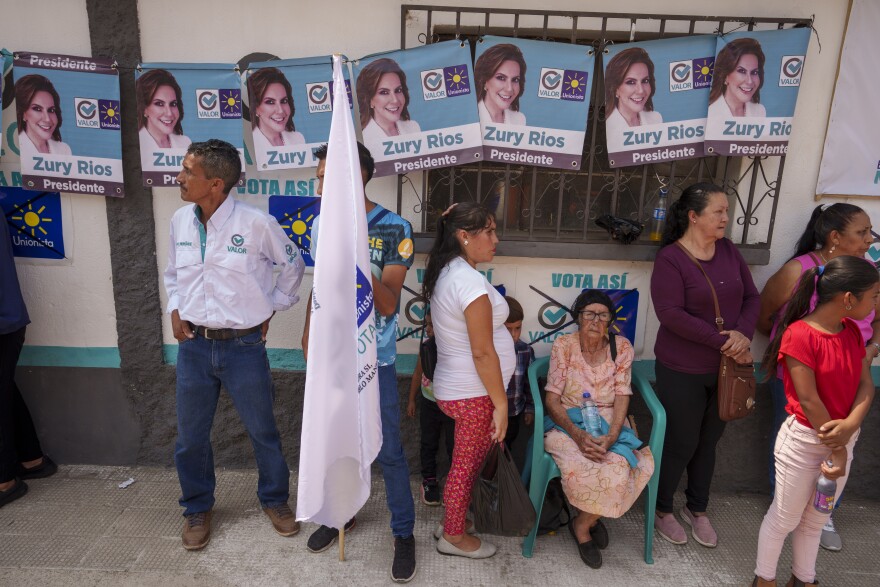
829	391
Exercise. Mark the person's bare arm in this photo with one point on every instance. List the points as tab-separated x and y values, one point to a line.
478	318
776	293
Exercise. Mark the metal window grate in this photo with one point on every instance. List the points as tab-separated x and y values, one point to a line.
550	213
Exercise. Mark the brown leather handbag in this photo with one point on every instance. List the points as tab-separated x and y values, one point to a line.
736	382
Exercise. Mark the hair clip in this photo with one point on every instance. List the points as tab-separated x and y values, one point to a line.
820	269
448	210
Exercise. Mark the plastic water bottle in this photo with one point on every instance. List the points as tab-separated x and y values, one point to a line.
658	221
825	491
590	414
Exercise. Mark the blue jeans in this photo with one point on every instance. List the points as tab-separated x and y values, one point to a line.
391	458
242	367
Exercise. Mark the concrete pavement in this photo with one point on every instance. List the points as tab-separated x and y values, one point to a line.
80	528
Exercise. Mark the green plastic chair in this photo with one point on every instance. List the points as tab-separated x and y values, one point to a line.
540	467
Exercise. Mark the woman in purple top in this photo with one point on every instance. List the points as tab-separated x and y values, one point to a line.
689	348
832	231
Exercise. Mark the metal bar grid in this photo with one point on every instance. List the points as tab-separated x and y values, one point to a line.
596	189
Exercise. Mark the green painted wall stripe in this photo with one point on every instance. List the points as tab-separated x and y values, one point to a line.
66	356
292	359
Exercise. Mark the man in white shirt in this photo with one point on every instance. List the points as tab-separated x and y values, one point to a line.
221	297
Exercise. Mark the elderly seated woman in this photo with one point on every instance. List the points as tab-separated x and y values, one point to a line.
601	475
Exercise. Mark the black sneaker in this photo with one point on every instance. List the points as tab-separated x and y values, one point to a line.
324	537
403	569
430	492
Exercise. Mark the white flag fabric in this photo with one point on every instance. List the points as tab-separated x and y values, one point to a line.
341	425
851	157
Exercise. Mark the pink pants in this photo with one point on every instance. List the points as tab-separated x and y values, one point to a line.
473	437
798	455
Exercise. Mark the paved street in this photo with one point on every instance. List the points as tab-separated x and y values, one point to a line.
80	528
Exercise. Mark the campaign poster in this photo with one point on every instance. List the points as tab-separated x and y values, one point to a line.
291	104
35	222
68	123
754	91
418	109
296	214
182	103
533	98
656	96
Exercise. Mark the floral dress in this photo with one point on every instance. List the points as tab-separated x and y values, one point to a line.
609	487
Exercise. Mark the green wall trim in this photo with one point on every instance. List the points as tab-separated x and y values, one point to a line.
68	356
292	359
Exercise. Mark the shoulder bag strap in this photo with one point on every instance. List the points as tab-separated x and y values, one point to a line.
816	259
719	321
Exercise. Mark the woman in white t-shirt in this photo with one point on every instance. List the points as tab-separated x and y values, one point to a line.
475	359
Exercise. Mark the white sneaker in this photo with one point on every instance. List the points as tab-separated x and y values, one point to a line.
830	539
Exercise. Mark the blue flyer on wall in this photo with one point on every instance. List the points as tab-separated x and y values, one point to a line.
290	104
754	91
533	98
35	222
418	109
182	103
295	214
67	109
656	97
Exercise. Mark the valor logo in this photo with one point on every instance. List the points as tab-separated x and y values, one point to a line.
551	83
208	103
791	68
446	82
563	84
681	76
433	87
319	97
230	103
237	240
86	112
237	245
109	110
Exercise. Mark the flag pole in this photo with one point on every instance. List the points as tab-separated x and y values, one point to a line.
342	545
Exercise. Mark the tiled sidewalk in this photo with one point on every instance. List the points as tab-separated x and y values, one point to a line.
80	528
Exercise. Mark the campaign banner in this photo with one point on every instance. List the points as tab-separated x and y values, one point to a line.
851	157
85	155
656	96
35	222
754	91
182	103
291	103
7	116
418	109
546	294
296	214
533	98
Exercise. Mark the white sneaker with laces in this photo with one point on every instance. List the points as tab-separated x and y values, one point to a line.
830	539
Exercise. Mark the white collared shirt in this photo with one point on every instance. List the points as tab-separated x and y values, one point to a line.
233	286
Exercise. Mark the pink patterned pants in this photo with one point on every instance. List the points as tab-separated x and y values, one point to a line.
473	429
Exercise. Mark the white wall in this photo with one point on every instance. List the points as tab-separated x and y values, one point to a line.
78	297
70	303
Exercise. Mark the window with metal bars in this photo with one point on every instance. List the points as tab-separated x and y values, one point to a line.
551	213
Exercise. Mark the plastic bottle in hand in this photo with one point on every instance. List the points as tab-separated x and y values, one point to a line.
590	414
826	489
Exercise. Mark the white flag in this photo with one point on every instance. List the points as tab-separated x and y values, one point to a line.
341	426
